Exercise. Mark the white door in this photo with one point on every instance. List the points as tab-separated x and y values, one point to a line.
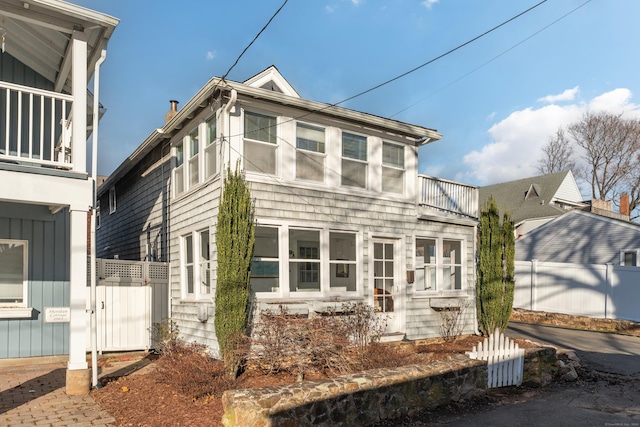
386	284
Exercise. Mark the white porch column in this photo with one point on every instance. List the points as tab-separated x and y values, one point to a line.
79	108
77	367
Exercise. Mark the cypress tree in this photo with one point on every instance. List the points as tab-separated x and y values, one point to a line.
496	250
235	240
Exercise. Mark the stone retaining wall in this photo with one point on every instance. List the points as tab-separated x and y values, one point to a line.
366	397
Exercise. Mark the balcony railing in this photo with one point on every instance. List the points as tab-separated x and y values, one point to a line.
35	126
448	196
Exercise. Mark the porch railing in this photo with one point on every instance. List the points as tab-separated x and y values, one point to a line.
448	196
35	126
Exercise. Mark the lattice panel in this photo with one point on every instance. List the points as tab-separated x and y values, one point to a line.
158	272
122	270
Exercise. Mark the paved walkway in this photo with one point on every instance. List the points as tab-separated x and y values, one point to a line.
35	395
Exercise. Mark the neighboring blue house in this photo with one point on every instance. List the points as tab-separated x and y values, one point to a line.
51	50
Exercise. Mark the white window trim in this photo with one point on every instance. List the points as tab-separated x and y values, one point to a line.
440	267
98	220
325	262
19	310
112	200
367	177
403	168
211	147
311	153
625	251
195	241
275	145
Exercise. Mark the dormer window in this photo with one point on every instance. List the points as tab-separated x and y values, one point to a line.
354	160
260	143
310	152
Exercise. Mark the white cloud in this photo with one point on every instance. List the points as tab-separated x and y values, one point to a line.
517	140
210	55
491	116
567	95
329	9
357	2
429	3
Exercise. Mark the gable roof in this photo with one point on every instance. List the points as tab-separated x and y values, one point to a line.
533	197
261	86
579	237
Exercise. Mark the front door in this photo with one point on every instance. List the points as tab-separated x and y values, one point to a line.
386	299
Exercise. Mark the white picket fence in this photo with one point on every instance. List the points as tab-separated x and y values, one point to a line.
504	358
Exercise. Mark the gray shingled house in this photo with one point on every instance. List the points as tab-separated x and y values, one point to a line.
342	213
536	200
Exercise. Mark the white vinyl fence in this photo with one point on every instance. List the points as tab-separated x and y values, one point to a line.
604	291
505	360
130	297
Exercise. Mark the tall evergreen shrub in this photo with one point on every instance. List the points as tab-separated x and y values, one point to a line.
496	282
235	240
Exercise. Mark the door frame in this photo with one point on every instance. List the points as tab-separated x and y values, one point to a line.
397	318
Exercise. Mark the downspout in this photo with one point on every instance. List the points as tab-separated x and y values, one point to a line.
227	109
94	172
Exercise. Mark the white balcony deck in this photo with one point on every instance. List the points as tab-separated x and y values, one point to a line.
448	197
35	126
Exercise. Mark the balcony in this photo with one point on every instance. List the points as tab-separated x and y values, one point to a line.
35	126
441	197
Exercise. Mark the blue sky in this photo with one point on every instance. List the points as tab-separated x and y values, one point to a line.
495	101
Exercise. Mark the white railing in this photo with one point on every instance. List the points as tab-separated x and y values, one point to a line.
505	360
448	196
35	126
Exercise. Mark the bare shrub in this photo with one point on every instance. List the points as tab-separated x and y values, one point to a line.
363	324
452	322
164	333
190	369
291	343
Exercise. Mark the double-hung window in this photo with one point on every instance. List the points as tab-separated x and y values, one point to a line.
112	200
629	258
178	175
342	261
438	264
310	152
210	151
260	143
265	266
392	168
194	149
196	269
354	160
13	273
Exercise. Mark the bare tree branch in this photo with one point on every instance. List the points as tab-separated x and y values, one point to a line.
557	155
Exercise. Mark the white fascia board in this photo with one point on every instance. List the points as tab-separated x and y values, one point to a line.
34	188
79	13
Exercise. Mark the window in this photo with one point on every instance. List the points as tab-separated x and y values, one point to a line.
98	214
342	262
265	266
383	276
13	273
210	151
392	168
304	260
354	160
112	200
260	143
438	264
194	149
196	274
179	171
629	258
310	158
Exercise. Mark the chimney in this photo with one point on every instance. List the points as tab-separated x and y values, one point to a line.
172	112
624	204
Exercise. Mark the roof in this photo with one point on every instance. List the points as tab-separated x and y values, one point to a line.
532	197
270	86
39	33
579	237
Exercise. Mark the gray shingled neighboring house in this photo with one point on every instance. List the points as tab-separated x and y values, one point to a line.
537	200
578	237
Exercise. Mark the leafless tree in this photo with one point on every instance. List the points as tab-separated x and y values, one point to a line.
558	155
610	147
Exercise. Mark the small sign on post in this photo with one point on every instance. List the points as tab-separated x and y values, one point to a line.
57	314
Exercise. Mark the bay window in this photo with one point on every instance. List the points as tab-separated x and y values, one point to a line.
260	143
310	152
354	160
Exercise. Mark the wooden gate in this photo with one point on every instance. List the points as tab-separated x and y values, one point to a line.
130	297
504	358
